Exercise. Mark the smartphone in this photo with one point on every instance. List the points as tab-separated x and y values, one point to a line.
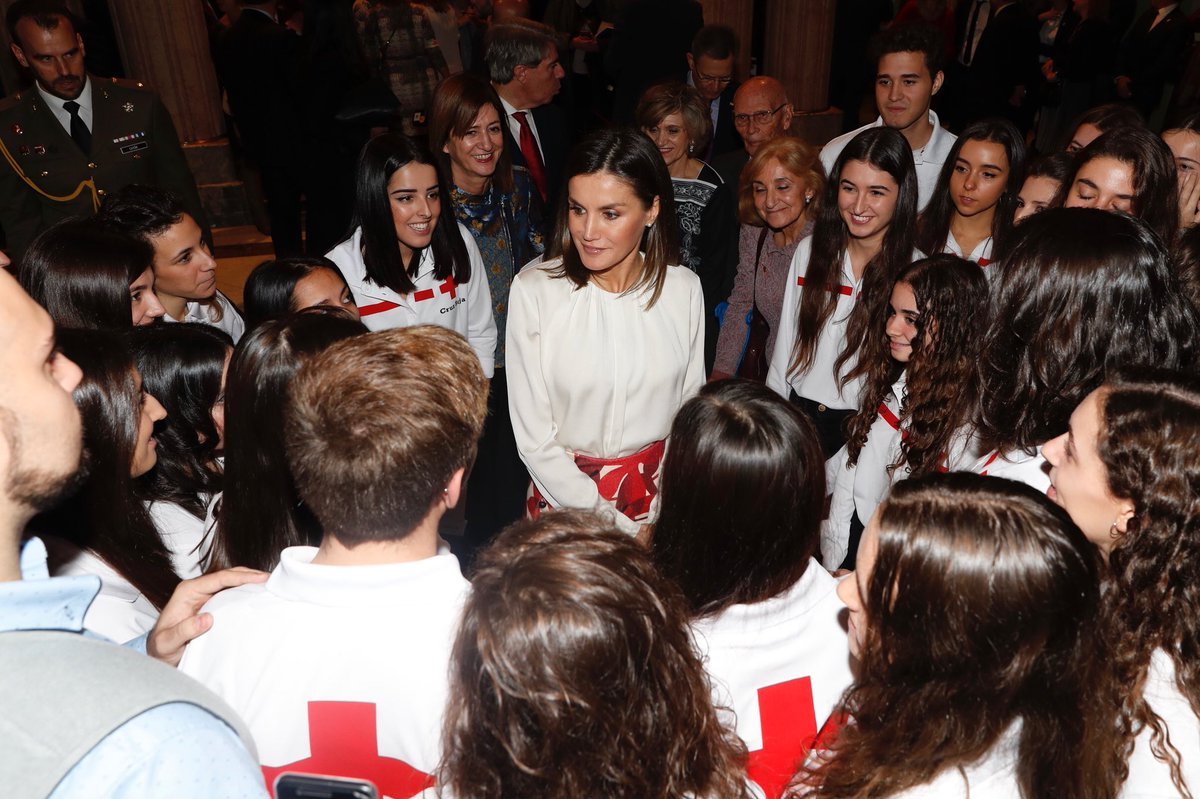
308	786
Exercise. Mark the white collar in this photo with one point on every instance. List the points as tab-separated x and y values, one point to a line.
84	99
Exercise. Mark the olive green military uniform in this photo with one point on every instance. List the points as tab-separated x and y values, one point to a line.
133	141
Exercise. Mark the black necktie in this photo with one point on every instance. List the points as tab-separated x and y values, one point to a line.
968	51
79	131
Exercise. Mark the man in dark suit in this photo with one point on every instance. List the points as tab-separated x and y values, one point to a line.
522	61
257	64
1152	55
73	138
1003	73
710	71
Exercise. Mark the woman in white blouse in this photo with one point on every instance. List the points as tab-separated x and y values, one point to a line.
605	339
841	279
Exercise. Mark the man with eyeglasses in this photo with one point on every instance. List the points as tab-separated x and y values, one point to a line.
908	74
710	71
761	112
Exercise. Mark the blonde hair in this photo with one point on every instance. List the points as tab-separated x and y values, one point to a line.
796	156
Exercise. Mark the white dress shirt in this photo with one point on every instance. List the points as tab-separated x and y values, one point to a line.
55	104
514	126
928	160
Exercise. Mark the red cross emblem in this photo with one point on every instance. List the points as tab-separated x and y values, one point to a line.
448	287
344	743
789	727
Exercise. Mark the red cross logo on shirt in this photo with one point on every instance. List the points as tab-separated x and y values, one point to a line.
789	727
448	287
343	740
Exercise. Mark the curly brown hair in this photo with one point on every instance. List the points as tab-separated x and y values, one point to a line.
952	295
981	613
1150	445
574	674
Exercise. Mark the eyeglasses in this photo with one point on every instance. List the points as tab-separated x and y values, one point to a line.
759	117
722	80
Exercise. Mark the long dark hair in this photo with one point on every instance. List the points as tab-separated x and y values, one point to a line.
182	367
982	609
260	513
80	272
934	228
268	291
628	155
574	674
1149	443
885	149
1081	293
381	157
952	299
743	487
106	516
1155	185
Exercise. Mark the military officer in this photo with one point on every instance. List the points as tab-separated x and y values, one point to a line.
72	138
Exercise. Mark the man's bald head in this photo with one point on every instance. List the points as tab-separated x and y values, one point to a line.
761	111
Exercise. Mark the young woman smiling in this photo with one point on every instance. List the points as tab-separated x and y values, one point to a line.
841	278
972	207
605	339
779	196
917	396
403	267
499	204
674	117
1127	471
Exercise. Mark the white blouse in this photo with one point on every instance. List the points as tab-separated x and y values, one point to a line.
862	487
185	536
120	612
597	373
819	382
1149	777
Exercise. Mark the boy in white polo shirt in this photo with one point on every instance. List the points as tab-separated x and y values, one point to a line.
338	663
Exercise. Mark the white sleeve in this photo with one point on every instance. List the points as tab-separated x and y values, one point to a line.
785	339
829	155
835	529
552	468
694	378
481	323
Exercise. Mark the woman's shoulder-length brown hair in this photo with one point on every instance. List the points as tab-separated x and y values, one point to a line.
456	102
796	156
630	156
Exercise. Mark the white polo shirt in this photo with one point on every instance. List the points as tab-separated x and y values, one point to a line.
339	670
928	160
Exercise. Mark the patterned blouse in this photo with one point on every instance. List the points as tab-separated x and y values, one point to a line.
508	230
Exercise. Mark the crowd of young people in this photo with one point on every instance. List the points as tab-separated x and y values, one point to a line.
984	404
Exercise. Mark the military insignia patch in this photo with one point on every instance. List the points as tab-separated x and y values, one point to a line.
17	129
40	149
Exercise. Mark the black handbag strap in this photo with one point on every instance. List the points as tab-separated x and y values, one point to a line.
762	239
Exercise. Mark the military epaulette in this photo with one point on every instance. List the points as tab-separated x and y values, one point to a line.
10	102
126	83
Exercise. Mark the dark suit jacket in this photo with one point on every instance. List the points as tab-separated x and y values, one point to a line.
553	130
133	141
1006	57
1152	58
725	138
650	44
257	61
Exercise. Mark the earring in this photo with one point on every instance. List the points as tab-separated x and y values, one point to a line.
1113	532
807	199
691	149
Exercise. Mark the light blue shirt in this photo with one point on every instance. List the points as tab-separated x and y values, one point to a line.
177	750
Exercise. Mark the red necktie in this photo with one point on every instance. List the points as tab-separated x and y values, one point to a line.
533	158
